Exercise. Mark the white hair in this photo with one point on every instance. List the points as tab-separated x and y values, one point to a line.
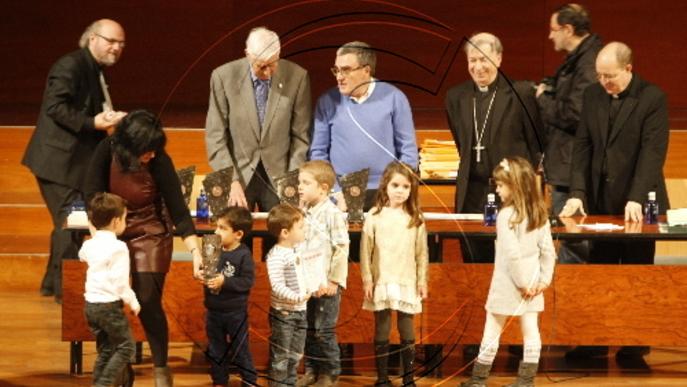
262	43
481	38
90	30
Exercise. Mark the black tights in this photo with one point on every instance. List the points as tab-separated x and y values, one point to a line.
404	321
148	289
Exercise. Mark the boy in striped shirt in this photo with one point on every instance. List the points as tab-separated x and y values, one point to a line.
288	296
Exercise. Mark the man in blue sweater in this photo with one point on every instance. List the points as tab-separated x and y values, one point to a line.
362	123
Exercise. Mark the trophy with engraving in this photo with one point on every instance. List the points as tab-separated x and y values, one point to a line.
287	188
354	185
212	248
186	176
217	185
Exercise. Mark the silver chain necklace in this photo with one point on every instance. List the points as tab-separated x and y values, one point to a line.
479	147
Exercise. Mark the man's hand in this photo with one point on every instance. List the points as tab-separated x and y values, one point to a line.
541	88
107	119
633	212
571	207
236	195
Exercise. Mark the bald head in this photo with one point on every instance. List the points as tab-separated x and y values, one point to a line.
614	67
105	39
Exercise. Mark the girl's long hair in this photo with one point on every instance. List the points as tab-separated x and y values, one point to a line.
525	196
412	204
138	132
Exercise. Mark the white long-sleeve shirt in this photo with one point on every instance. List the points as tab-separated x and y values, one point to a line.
284	270
107	278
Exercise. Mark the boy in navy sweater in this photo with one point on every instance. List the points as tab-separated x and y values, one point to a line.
227	309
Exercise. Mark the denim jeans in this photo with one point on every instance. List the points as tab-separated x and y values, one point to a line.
228	344
113	340
286	345
322	353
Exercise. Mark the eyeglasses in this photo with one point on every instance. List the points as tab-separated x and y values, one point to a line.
607	77
344	71
112	41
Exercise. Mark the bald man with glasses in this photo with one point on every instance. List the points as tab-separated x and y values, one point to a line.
75	115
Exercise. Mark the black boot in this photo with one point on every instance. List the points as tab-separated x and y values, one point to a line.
382	363
480	373
526	374
408	361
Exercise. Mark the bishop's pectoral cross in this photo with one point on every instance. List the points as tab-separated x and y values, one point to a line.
478	149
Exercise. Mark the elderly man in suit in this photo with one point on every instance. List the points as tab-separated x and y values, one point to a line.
258	120
618	156
488	122
74	116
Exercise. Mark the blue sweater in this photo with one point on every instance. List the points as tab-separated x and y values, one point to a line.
239	274
385	116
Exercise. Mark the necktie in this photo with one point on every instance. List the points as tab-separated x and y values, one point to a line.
261	90
107	105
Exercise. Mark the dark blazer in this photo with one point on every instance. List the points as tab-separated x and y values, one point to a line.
511	131
636	147
65	138
560	109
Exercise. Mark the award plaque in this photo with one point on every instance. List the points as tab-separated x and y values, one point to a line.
354	185
212	248
217	185
186	176
287	188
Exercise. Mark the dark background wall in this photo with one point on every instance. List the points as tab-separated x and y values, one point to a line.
172	46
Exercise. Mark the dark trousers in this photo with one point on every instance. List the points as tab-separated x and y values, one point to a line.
322	354
113	340
287	342
477	250
228	345
148	288
63	245
259	192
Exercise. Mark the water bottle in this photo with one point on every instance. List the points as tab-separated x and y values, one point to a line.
651	209
202	209
490	210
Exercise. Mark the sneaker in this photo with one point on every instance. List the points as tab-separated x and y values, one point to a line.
325	381
307	379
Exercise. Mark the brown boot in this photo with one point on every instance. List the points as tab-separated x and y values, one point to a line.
526	374
480	373
408	361
382	363
162	377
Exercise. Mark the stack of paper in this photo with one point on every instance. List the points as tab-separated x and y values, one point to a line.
677	217
438	160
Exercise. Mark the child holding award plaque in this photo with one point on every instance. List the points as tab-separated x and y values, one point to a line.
226	299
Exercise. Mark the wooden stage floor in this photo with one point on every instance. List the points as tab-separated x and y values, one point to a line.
32	354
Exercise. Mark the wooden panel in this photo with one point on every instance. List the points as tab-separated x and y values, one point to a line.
587	304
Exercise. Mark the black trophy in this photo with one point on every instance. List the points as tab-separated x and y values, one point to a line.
217	185
354	185
212	248
287	188
186	176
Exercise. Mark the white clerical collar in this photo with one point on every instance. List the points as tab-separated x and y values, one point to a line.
368	93
483	89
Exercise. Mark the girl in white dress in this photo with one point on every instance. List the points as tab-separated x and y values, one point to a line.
393	265
523	268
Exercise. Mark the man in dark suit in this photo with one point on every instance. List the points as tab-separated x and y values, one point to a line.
258	121
74	117
488	122
618	155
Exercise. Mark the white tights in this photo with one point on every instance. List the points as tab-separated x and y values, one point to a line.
492	332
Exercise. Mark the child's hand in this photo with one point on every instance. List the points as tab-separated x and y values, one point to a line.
330	289
368	289
307	296
216	282
422	291
539	288
136	308
526	292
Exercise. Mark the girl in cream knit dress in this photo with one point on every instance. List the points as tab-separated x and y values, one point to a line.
393	265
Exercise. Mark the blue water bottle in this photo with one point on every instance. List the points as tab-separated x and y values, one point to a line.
651	209
490	210
202	209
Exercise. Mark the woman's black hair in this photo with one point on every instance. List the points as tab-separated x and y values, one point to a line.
138	132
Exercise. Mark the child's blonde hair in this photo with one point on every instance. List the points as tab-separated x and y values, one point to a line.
412	205
321	171
525	196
